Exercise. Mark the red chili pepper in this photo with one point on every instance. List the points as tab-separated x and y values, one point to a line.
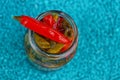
67	45
49	20
42	29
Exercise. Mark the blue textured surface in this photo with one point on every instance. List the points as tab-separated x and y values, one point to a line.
98	54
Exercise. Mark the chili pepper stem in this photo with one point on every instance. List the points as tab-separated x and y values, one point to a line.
17	18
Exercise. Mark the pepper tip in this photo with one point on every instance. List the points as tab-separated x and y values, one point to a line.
18	18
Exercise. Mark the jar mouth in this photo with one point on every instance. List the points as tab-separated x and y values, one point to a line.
74	43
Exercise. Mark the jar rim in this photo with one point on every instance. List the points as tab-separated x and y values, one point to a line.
62	54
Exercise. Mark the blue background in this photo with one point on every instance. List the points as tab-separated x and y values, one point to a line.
98	53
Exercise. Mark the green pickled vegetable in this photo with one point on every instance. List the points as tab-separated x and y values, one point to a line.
31	56
55	16
66	24
41	42
56	48
69	32
52	44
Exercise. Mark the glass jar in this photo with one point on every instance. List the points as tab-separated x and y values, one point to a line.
42	59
